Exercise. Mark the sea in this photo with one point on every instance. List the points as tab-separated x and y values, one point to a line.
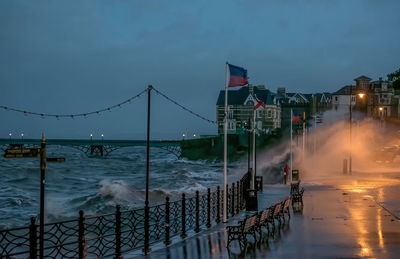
97	184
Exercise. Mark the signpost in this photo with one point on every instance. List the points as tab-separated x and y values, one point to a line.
32	153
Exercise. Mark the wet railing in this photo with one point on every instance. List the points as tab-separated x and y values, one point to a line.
113	234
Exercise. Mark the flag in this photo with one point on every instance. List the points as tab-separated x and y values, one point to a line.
296	118
237	76
258	103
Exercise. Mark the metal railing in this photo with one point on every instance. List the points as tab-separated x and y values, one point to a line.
111	235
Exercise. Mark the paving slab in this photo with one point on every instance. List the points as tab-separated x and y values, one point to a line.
351	217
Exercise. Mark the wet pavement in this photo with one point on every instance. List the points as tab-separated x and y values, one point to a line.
346	217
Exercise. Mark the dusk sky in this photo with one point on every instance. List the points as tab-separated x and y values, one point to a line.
78	56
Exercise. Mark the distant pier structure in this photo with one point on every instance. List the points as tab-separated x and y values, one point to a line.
92	147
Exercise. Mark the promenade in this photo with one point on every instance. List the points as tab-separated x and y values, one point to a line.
354	216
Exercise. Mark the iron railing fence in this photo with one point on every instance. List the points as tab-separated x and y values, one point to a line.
112	234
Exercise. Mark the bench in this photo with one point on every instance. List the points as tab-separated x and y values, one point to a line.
246	227
295	193
265	218
285	208
294	187
276	215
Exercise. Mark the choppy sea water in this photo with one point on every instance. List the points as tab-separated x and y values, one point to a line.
97	184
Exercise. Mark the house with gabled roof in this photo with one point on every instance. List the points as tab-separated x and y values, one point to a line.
241	108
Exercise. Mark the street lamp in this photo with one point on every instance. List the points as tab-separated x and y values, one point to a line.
9	134
91	136
22	136
183	135
194	135
361	95
102	137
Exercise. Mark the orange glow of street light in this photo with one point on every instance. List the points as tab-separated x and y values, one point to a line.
381	108
361	95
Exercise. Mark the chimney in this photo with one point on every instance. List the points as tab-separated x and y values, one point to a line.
251	89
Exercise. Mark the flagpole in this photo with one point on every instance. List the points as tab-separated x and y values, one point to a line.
304	135
254	151
291	144
226	144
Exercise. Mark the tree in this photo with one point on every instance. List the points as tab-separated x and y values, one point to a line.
395	79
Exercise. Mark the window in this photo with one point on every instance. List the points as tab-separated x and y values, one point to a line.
230	114
269	113
336	98
259	113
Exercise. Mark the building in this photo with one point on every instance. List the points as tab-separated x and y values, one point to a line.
341	98
241	108
381	99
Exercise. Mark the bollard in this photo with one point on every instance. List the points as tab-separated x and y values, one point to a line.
233	199
197	228
183	219
81	235
32	239
218	208
118	232
208	207
167	240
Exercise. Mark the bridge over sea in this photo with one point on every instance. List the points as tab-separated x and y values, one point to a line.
92	147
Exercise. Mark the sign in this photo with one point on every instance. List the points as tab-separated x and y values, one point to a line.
22	153
55	159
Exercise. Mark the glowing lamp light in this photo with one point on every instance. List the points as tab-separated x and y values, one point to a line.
361	95
194	135
381	108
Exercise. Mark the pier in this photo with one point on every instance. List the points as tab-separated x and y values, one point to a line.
93	147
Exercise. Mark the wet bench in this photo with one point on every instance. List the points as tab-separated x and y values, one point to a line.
239	232
296	193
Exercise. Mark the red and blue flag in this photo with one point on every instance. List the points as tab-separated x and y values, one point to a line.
237	76
296	117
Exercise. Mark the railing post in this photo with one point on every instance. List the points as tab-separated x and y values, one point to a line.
237	197
218	208
33	239
233	199
197	228
208	207
81	235
167	240
183	219
118	232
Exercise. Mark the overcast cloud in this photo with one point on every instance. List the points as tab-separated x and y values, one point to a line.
78	56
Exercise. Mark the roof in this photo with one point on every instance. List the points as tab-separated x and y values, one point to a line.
345	90
363	78
238	97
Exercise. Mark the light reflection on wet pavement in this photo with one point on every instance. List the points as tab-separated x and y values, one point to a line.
347	217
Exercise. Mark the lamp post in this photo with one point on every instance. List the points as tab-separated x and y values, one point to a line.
22	136
361	95
381	116
91	136
102	137
9	134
